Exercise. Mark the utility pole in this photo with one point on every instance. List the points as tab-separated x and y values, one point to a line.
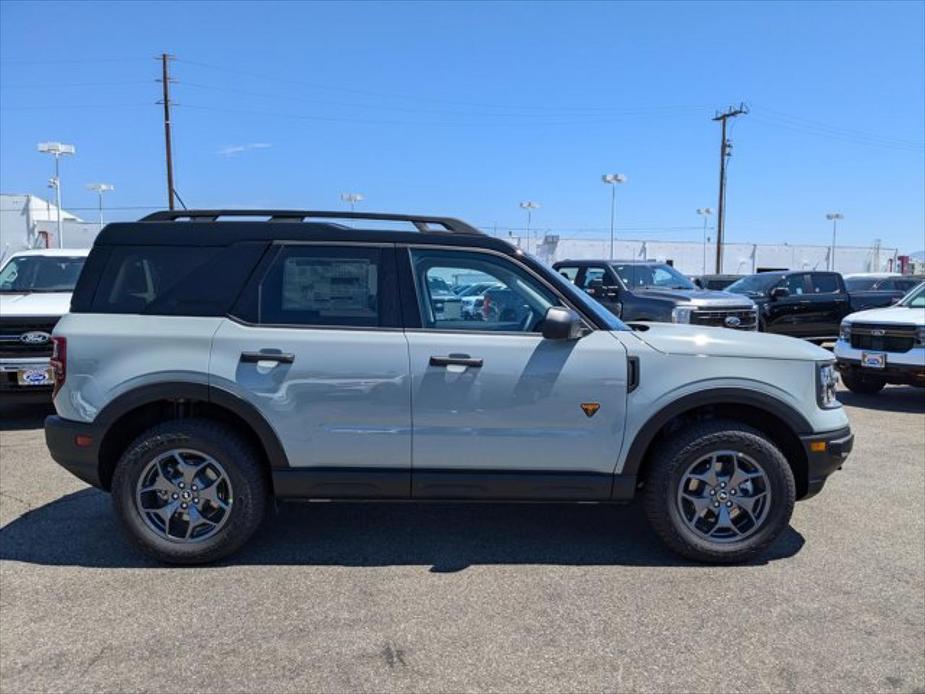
725	150
834	217
165	80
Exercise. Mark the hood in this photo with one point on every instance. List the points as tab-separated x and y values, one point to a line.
699	297
695	340
35	305
891	315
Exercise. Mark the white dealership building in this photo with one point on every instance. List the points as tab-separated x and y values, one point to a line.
28	221
695	258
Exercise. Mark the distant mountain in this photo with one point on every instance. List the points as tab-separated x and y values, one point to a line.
918	255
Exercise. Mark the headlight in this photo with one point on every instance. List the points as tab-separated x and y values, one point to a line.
682	314
844	333
826	382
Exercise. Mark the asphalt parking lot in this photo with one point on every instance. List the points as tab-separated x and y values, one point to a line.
428	597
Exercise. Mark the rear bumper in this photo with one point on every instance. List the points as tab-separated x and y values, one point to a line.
825	453
81	461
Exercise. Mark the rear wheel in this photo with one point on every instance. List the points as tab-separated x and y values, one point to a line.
719	492
865	385
189	491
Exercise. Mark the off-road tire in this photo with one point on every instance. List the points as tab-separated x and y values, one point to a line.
242	465
862	385
680	451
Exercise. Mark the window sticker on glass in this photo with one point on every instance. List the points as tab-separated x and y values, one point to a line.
325	286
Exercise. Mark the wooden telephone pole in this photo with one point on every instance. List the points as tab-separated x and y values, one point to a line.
165	80
724	153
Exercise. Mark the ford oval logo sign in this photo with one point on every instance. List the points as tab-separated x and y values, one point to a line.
732	322
35	337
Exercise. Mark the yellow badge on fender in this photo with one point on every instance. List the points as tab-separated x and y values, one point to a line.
590	408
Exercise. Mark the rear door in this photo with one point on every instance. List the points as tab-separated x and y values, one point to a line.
316	345
499	411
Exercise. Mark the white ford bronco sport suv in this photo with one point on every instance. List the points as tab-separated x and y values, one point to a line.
209	365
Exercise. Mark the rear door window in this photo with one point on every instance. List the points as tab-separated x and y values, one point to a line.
325	286
824	283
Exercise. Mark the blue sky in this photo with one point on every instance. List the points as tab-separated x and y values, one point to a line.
469	108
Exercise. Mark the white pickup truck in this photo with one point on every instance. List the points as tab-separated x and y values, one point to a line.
35	291
884	345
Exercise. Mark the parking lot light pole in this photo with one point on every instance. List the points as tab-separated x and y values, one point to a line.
613	180
57	149
99	189
529	206
351	199
834	217
705	212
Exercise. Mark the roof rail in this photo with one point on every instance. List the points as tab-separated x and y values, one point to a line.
422	223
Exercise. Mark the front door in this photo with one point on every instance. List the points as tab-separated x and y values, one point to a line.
498	411
317	347
787	315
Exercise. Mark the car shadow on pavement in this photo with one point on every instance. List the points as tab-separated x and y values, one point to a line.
16	417
891	399
79	529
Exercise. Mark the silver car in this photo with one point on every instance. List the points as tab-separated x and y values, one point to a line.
209	365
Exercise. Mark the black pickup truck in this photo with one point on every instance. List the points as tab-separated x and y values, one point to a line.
806	303
650	291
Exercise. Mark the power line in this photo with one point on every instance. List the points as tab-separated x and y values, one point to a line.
63	85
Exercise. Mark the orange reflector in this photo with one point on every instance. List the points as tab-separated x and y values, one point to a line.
83	441
817	446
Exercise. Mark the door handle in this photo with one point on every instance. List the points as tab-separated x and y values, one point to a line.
456	360
279	357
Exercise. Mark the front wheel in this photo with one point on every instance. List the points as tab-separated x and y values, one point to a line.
863	385
719	492
189	491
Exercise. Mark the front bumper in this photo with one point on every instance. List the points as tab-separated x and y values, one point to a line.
900	374
82	461
9	381
825	453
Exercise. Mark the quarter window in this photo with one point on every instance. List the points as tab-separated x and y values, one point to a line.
513	302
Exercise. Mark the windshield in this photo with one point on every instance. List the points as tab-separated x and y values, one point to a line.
754	285
915	298
41	273
662	276
860	284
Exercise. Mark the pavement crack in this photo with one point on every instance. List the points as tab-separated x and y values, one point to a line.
394	657
7	495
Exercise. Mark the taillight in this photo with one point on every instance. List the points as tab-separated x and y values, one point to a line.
486	306
58	361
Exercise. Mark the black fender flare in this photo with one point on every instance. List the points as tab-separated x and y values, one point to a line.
712	396
179	390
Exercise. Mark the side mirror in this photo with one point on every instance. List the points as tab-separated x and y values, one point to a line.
779	292
595	287
697	282
561	324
